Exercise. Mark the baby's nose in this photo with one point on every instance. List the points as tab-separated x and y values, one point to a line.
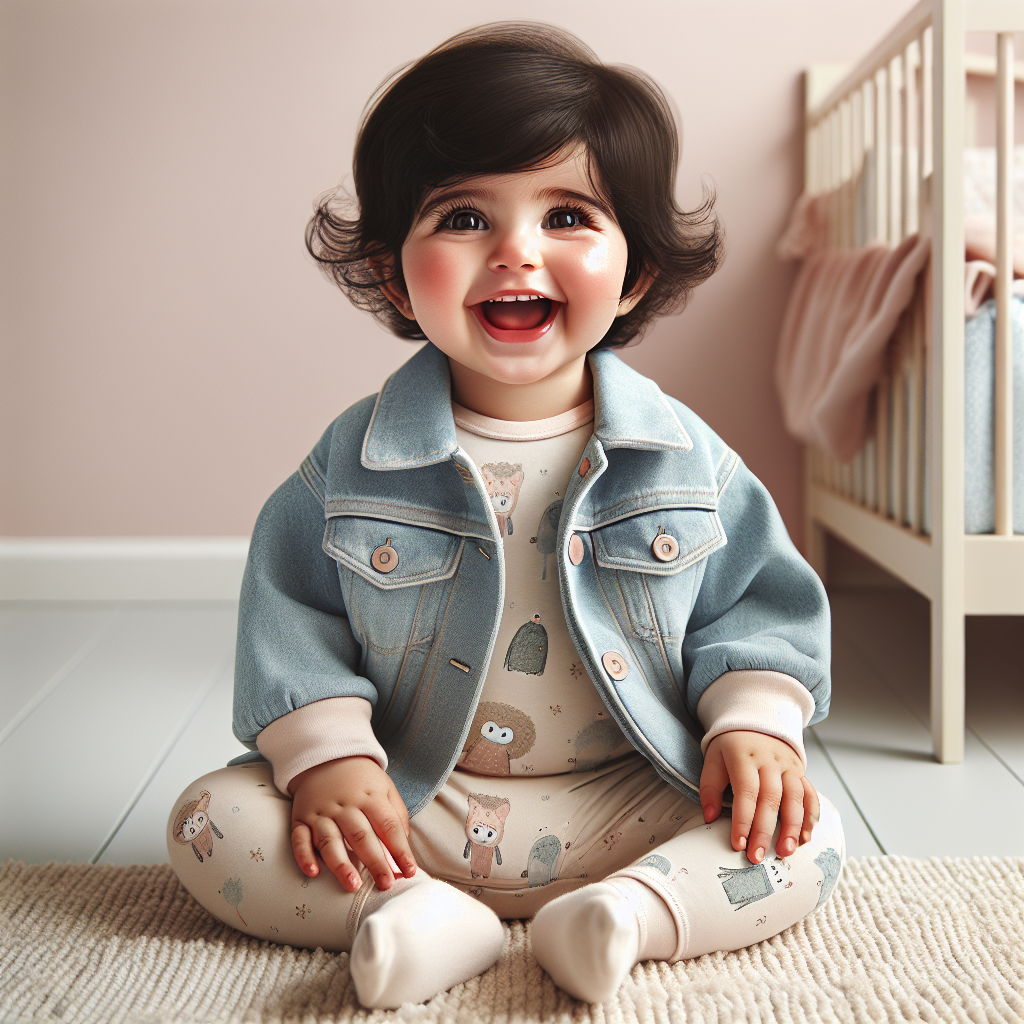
514	252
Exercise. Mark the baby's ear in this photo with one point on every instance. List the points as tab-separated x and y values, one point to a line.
382	269
628	302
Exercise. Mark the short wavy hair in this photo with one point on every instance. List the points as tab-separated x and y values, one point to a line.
505	97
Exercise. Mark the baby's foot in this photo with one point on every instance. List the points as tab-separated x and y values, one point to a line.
425	940
588	941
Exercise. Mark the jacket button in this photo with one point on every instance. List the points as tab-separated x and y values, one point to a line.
665	548
575	549
384	558
585	466
615	664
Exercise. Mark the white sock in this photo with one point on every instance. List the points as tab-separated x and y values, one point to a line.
419	942
589	940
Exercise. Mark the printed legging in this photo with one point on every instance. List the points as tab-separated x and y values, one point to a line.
513	842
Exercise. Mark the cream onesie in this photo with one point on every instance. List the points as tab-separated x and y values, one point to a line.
547	796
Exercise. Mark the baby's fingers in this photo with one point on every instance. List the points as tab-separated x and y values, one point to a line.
394	831
791	814
811	811
746	787
713	780
302	849
360	829
328	840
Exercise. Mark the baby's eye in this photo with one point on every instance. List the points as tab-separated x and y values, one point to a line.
464	220
567	219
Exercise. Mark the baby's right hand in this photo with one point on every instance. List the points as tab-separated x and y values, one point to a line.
350	800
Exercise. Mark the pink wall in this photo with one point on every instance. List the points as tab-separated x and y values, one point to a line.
171	353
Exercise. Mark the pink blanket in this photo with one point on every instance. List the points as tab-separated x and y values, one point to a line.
843	310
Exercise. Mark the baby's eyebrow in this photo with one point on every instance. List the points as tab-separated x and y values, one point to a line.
582	197
548	194
451	196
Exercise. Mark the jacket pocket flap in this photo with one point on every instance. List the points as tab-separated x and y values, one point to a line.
392	555
629	543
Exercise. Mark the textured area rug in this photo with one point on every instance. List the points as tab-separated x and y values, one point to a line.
900	940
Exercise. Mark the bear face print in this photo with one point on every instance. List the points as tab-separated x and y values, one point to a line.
503	481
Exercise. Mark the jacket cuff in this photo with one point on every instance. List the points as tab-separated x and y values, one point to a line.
759	701
319	732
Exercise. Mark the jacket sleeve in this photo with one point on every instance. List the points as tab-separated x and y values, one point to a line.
761	608
295	645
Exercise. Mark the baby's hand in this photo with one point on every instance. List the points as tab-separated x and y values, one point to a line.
766	775
351	800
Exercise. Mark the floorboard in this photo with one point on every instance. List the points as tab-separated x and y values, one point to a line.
81	754
40	642
107	712
915	806
205	744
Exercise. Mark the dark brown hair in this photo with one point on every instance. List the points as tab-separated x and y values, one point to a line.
506	97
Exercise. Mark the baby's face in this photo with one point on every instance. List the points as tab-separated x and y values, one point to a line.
478	247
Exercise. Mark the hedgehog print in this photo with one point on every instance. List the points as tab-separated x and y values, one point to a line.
192	824
503	481
499	734
528	651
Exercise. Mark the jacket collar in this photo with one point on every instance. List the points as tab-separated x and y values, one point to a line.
410	428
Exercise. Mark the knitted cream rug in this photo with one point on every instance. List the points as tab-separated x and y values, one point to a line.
900	940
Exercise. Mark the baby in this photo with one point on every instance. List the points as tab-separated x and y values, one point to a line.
519	621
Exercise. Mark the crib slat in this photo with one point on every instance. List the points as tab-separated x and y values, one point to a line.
882	446
845	122
881	228
895	156
867	92
908	170
926	107
1004	281
899	423
915	433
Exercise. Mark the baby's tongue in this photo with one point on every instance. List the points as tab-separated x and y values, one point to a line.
518	315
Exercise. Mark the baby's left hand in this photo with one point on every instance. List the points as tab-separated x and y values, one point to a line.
767	777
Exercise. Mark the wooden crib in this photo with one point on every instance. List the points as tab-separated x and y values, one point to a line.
886	142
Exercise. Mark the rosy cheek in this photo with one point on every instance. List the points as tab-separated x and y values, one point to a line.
600	272
430	276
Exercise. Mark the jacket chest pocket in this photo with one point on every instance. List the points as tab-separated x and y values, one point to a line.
394	578
650	564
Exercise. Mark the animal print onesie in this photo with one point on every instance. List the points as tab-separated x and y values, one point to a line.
547	795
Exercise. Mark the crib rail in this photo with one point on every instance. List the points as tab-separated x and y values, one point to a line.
871	145
885	145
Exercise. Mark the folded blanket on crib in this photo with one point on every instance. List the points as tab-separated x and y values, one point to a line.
843	310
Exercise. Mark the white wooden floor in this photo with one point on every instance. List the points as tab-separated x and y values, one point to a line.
107	712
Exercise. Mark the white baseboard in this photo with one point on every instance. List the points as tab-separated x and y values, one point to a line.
122	568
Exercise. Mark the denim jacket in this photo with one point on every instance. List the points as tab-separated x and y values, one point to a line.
377	571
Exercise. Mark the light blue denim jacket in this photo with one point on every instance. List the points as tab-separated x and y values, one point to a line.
318	620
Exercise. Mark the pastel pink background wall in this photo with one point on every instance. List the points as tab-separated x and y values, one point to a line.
171	353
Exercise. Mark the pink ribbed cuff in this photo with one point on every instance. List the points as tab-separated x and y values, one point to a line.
759	701
319	732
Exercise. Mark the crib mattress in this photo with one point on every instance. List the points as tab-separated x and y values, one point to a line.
979	419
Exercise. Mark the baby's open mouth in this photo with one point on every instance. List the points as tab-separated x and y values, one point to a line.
511	313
